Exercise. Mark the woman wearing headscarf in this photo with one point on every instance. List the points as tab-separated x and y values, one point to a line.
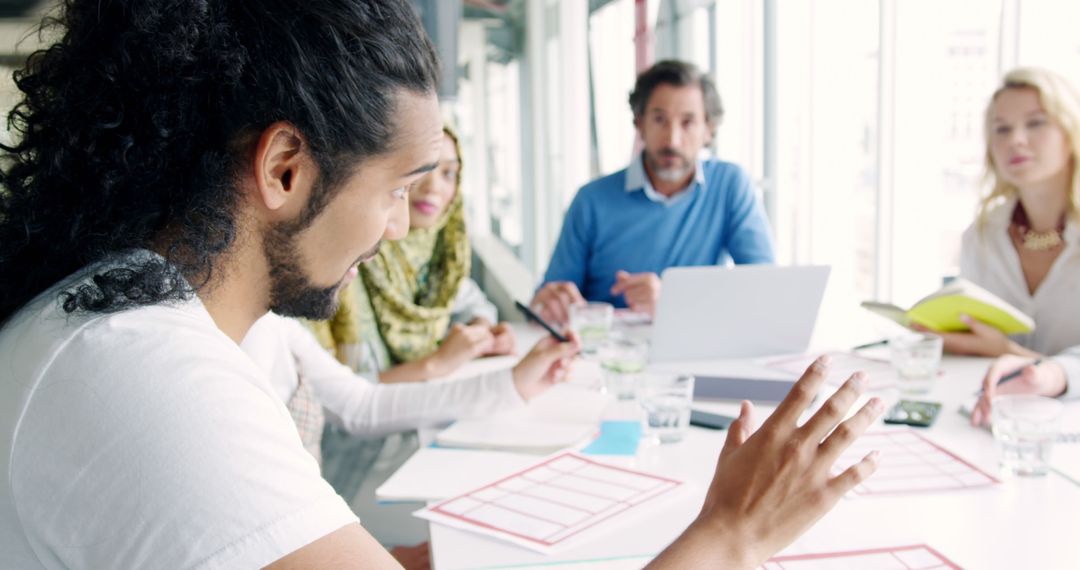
418	313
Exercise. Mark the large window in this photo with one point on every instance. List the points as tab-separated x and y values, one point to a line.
826	132
862	121
611	53
1046	36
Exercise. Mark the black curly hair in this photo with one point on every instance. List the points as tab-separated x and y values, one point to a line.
134	124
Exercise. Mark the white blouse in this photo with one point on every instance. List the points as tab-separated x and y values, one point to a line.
284	349
989	259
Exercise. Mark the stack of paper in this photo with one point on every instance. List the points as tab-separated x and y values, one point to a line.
565	416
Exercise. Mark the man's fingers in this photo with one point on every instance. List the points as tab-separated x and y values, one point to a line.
541	309
560	306
854	475
572	291
620	282
848	431
554	300
802	393
637	296
739	430
630	283
835	408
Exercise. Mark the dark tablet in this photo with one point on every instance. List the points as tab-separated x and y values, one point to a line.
757	390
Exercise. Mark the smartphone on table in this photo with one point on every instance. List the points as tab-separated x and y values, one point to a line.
913	413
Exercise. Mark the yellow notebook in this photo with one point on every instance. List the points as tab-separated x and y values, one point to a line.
941	310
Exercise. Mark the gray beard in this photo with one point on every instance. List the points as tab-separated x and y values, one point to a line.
673	174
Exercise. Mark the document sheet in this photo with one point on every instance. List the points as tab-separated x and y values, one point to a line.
910	463
544	506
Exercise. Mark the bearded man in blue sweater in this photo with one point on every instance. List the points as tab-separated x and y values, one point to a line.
671	207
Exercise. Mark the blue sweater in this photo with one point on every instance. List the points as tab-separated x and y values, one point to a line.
609	228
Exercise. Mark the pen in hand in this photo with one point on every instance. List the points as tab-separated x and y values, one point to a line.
876	343
1014	374
534	317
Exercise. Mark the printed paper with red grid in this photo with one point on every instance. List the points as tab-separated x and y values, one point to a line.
910	463
919	557
547	504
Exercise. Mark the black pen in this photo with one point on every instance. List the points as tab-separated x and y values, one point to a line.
882	342
1015	373
533	316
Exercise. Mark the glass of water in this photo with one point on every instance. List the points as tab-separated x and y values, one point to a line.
916	358
592	323
1025	427
623	360
666	399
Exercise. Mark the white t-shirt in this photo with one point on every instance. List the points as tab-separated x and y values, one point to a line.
989	259
147	439
283	349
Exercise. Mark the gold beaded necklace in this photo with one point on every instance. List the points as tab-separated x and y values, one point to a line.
1032	240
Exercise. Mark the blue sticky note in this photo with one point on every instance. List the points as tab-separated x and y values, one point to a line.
616	438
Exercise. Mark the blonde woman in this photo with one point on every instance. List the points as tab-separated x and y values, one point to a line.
1023	247
1025	244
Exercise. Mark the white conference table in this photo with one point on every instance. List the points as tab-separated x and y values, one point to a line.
1020	523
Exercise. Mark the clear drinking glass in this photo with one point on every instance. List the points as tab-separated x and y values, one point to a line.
592	323
623	360
1025	427
916	358
666	399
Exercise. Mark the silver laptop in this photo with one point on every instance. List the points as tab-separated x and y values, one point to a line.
707	313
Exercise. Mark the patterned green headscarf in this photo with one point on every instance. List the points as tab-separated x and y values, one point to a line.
343	329
411	283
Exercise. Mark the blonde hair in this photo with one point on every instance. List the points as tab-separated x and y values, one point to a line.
1060	101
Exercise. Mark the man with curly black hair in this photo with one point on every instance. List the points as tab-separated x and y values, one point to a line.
180	168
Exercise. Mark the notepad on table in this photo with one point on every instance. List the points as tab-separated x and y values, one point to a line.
514	435
941	310
564	416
